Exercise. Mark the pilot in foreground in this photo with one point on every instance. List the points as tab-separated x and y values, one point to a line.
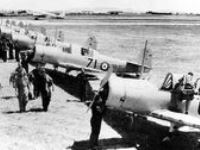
98	110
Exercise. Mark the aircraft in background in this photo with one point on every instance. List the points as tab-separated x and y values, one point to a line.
75	57
47	15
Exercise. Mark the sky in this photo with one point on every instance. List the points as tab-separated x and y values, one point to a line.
189	6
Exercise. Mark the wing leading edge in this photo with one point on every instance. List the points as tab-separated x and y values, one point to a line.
177	118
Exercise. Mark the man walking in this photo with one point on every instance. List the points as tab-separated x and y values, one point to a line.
21	84
42	85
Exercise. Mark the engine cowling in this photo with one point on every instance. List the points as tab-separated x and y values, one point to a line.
23	42
135	95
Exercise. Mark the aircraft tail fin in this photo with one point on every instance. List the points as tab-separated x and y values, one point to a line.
91	43
61	36
62	15
146	59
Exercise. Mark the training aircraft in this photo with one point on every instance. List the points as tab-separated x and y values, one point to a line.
75	57
141	97
21	38
47	15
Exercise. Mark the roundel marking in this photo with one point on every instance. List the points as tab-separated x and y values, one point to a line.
104	66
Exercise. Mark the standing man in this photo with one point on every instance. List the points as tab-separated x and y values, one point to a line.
24	62
11	49
188	90
5	49
21	84
83	85
42	85
1	48
98	110
184	90
17	50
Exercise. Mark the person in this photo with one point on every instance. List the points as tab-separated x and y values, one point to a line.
83	85
1	49
24	62
17	51
5	49
11	49
98	110
20	82
188	90
184	90
42	85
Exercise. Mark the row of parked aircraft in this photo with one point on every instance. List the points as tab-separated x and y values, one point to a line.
36	15
72	56
134	95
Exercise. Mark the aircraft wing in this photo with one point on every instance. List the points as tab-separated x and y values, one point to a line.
77	67
177	118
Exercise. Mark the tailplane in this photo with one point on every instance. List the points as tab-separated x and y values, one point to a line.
62	15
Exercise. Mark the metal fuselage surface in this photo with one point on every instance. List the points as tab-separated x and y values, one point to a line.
56	56
140	96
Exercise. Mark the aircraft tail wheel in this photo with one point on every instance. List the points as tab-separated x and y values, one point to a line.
104	66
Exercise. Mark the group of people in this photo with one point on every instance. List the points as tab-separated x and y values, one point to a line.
7	49
30	85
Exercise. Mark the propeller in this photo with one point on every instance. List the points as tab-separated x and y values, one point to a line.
103	82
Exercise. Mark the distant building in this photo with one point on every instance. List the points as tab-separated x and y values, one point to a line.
158	13
114	12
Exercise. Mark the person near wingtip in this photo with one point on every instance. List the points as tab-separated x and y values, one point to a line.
185	90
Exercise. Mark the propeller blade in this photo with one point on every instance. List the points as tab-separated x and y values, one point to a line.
103	82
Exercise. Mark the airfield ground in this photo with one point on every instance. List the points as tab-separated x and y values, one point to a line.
176	48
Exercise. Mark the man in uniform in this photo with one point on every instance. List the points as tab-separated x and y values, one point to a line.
21	84
184	90
5	49
188	90
83	85
24	62
11	49
98	110
42	85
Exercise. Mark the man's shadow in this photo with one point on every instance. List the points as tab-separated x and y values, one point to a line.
30	110
105	144
8	97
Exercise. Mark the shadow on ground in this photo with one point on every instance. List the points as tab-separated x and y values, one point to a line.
30	110
112	143
71	84
135	132
8	97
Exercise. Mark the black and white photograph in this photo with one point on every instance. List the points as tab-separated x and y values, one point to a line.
100	74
